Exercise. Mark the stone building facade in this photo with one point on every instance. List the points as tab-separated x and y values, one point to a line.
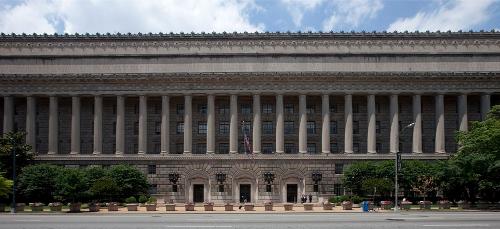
180	106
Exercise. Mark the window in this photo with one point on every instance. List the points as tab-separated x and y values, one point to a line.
339	168
180	109
114	109
37	129
377	108
355	127
355	108
333	108
136	108
202	109
289	127
289	108
289	148
221	188
201	148
334	148
157	108
269	188
224	128
310	109
151	169
333	127
179	148
267	148
202	127
157	148
338	189
377	127
267	108
311	148
246	127
224	109
267	127
136	128
355	147
223	148
153	189
378	147
180	128
311	127
246	109
114	128
136	148
157	128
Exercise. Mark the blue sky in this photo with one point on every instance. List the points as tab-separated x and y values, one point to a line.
81	16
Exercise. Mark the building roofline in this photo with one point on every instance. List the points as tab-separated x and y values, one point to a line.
253	36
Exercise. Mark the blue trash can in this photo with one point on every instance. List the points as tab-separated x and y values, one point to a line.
366	205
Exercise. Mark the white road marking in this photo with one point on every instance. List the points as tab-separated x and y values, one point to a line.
27	220
456	225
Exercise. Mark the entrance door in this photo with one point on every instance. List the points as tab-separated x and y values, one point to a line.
198	193
291	193
245	193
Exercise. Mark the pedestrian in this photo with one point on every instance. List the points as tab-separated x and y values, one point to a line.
310	198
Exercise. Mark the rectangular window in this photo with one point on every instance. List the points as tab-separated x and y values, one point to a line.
151	169
157	148
377	108
202	109
202	127
136	128
180	128
180	109
311	148
246	127
267	127
224	109
267	148
157	128
157	108
223	148
289	127
289	148
224	128
333	127
355	127
333	108
221	188
269	188
136	148
114	109
311	127
179	148
355	108
246	109
339	168
310	109
114	128
355	147
338	189
334	148
289	108
201	148
377	127
153	189
267	108
378	147
136	108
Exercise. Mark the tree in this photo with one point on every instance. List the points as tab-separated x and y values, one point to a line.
374	186
424	185
14	142
104	188
37	183
5	187
72	185
354	175
131	181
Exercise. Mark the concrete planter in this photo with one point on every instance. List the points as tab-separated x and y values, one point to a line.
228	207
94	207
444	204
406	205
170	207
55	207
463	205
347	205
327	206
288	206
386	205
425	205
355	206
132	207
249	207
208	206
189	207
112	206
36	207
268	206
151	207
75	207
308	207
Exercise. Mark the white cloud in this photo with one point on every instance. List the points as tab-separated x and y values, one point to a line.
350	13
297	8
129	16
449	15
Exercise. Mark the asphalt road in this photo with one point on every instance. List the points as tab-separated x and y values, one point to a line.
476	220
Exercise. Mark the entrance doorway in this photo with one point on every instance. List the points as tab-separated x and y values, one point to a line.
291	193
198	193
245	193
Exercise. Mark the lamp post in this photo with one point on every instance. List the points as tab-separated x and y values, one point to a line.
13	209
397	167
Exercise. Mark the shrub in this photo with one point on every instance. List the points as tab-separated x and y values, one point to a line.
37	183
143	199
72	185
131	200
152	200
104	188
132	181
356	199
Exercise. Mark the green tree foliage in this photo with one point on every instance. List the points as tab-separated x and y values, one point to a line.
14	142
104	188
131	181
72	185
356	173
37	183
5	187
377	186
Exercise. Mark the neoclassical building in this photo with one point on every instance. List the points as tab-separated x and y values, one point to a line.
181	106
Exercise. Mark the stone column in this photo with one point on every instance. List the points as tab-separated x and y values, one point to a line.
371	141
188	124
257	125
143	124
211	124
165	120
280	125
233	125
53	127
440	135
120	124
485	105
325	128
97	124
394	138
348	124
75	125
417	128
462	112
8	114
31	122
302	124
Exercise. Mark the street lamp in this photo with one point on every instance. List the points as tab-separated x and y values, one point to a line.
397	167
